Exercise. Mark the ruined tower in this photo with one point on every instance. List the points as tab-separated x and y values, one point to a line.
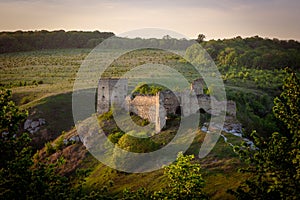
111	92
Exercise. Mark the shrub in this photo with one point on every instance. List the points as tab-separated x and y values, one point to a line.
49	148
59	144
114	137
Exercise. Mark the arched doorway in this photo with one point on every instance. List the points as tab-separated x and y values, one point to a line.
202	111
178	110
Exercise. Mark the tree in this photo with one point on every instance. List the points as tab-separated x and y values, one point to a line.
22	177
10	120
200	38
275	164
184	178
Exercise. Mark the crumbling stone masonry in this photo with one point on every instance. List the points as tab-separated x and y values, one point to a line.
113	92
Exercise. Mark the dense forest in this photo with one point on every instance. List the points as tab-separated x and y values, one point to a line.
255	52
37	40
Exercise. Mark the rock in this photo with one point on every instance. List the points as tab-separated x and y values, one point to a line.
75	138
27	124
225	138
71	140
36	129
204	129
225	130
35	124
32	126
42	121
237	134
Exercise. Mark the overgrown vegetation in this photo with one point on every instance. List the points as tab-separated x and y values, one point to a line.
252	69
184	182
145	89
275	163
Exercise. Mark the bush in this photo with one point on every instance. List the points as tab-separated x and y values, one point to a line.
138	145
275	163
49	148
59	144
114	137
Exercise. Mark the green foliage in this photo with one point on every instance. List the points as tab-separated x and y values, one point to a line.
115	137
287	106
25	100
59	144
133	144
275	164
140	194
18	177
185	179
254	52
185	182
146	89
21	177
106	116
138	120
254	111
28	41
138	145
40	82
49	148
11	117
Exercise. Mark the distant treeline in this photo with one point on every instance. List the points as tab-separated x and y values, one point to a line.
37	40
254	52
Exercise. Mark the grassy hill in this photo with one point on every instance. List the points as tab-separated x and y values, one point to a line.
219	168
42	82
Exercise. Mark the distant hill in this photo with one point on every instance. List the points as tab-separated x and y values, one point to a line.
37	40
253	52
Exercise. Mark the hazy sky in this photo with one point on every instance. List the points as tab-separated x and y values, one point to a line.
214	18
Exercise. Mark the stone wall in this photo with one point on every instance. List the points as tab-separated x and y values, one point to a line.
197	86
156	108
160	112
144	106
170	102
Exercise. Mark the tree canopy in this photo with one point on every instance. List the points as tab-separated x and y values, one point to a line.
275	163
37	40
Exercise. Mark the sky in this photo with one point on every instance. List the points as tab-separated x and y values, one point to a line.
216	19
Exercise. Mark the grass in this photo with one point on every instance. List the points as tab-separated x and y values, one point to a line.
51	99
57	112
219	169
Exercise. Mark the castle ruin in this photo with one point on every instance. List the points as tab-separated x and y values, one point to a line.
113	92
